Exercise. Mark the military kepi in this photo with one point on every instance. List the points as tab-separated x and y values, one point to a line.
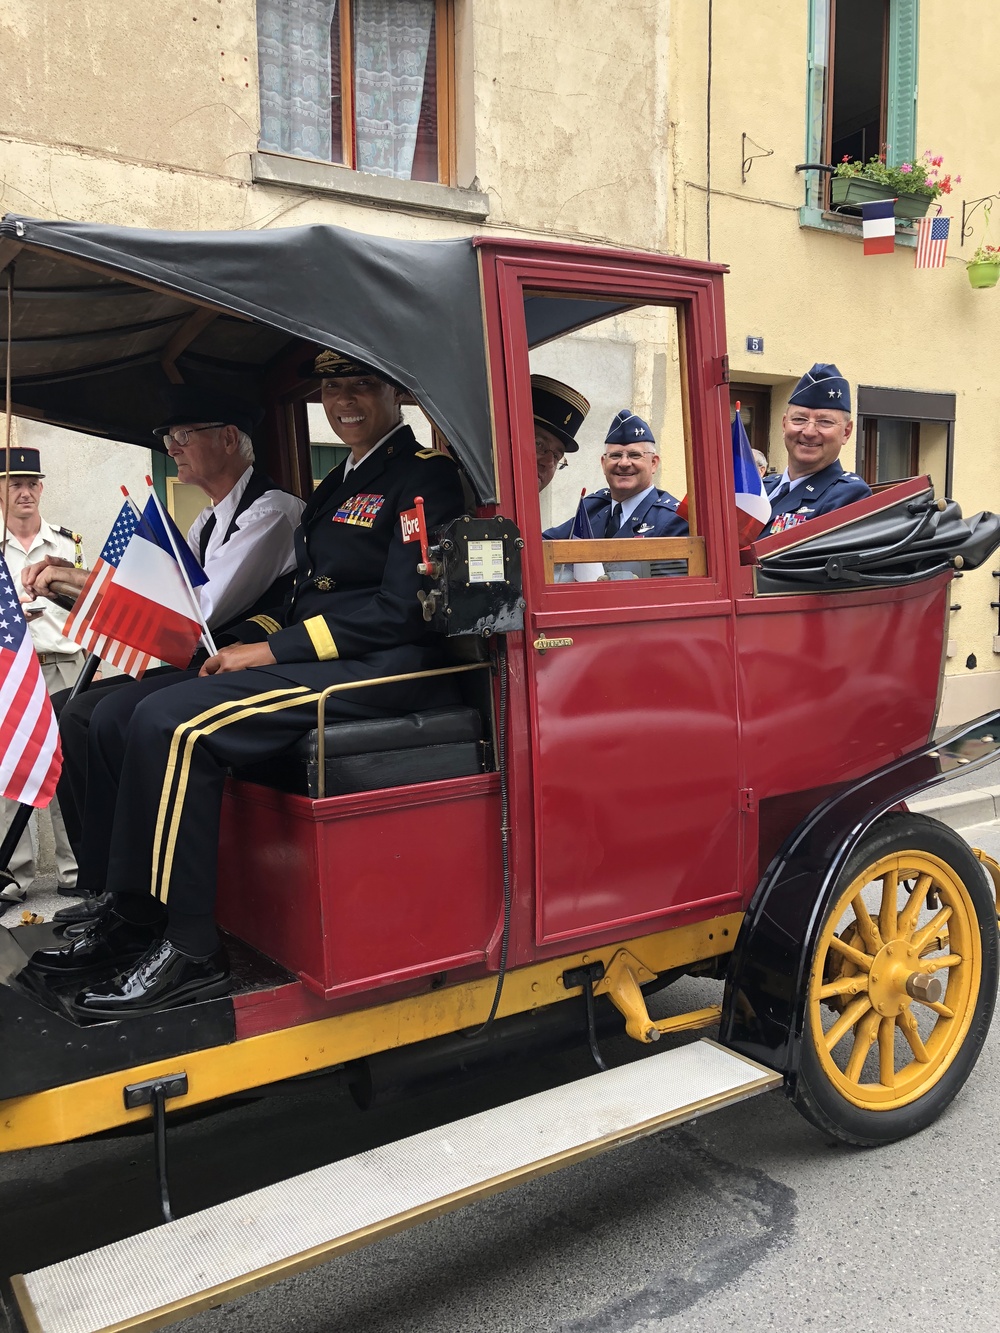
823	386
23	463
559	409
185	404
627	428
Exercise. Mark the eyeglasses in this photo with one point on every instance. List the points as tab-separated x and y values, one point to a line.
629	455
181	437
821	423
555	454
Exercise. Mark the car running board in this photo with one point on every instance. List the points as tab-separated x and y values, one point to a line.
161	1276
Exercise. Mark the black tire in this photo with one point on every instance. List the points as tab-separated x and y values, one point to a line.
844	1104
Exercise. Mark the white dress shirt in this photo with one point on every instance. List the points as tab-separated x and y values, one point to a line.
262	548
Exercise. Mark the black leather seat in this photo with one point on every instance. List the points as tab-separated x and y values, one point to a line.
379	752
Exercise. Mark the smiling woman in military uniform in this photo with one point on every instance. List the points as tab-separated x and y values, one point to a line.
816	425
353	615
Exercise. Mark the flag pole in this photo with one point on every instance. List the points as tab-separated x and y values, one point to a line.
206	633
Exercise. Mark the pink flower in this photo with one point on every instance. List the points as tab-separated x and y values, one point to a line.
937	161
906	168
846	157
958	180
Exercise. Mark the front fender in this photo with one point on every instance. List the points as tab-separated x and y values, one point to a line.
764	1005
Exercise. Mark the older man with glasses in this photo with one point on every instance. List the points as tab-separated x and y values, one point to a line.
816	426
631	505
559	412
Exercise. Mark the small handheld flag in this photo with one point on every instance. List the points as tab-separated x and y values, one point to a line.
79	625
753	508
878	226
30	754
932	242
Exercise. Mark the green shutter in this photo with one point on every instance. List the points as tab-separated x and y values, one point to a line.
901	119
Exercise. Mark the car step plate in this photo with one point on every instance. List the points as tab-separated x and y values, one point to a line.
158	1277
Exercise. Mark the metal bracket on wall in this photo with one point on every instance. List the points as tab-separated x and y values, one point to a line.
969	207
750	158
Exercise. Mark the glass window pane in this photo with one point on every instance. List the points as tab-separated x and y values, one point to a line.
294	56
893	449
392	43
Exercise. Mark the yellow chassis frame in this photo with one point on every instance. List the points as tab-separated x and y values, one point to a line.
88	1107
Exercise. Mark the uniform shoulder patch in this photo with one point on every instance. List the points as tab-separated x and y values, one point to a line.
430	453
73	536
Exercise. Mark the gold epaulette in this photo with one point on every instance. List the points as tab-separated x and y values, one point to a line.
267	623
430	453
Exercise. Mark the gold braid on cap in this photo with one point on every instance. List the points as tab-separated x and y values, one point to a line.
332	365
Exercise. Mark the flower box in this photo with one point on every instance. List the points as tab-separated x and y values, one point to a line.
983	274
853	191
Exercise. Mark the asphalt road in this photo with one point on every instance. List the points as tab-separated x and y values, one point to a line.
748	1219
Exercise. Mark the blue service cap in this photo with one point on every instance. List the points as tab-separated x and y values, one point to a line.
822	386
627	428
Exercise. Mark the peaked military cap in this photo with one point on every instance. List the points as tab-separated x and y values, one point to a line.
559	409
184	404
627	428
822	386
23	463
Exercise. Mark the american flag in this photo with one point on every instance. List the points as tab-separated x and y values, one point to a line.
932	242
77	628
30	754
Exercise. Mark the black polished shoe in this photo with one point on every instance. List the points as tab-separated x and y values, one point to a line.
162	978
108	942
94	905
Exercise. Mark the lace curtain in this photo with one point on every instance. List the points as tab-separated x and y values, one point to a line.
391	40
293	51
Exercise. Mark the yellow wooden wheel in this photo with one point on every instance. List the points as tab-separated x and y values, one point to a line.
901	984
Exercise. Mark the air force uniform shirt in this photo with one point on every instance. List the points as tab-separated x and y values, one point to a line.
651	514
808	497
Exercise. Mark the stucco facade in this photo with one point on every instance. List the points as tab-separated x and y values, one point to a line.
572	121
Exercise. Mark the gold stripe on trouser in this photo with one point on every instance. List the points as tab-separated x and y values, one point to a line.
248	708
171	769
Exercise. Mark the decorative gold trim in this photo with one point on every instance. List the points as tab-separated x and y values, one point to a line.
321	638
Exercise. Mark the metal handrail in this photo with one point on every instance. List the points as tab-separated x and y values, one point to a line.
365	684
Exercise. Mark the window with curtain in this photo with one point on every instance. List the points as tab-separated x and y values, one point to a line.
364	83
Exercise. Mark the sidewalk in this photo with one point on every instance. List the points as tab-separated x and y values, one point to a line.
964	801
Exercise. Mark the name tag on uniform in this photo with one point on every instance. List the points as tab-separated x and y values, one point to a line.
359	510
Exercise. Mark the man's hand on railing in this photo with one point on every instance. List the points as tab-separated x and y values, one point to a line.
37	578
238	657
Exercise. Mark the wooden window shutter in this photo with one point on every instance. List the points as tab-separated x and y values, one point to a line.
901	120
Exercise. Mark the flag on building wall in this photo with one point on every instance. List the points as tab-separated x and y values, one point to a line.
148	602
932	242
878	226
30	754
79	626
753	508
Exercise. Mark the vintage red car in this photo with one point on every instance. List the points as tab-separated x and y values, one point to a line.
699	767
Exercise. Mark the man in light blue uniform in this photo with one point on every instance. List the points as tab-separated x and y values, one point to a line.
816	425
630	505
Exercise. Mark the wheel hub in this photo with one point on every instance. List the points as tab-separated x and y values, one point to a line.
893	980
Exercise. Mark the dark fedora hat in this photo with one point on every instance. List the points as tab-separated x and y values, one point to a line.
185	403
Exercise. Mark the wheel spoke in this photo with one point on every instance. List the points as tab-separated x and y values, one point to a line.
859	959
887	1052
910	914
866	926
912	1034
931	965
887	910
933	927
938	1008
864	1036
847	1019
845	986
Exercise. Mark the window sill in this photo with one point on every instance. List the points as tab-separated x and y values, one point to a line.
817	220
372	191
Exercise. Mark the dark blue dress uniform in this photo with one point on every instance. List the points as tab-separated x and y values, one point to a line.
655	516
352	615
819	493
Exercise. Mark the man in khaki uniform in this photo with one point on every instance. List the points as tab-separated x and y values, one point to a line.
28	540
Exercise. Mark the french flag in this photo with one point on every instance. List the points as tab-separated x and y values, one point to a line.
753	508
149	601
878	226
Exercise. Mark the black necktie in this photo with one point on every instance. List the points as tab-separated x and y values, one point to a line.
780	493
614	520
203	537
